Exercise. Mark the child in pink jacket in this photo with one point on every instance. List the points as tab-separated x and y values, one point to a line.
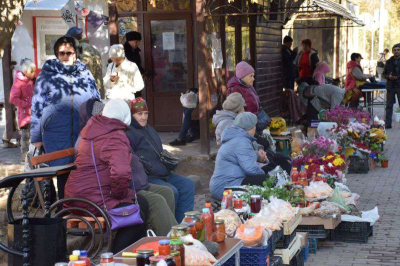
21	96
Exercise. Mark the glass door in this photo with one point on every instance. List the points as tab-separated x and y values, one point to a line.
168	55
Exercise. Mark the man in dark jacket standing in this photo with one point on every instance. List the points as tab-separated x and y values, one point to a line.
392	74
288	57
132	50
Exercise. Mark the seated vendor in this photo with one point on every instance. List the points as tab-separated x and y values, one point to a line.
232	107
236	162
322	97
355	80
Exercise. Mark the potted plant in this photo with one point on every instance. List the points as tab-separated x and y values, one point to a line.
383	160
397	115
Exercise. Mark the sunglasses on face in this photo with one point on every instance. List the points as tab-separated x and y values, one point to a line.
66	54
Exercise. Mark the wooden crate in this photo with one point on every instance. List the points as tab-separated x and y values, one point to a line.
290	226
288	253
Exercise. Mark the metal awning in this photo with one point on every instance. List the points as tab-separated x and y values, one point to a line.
337	9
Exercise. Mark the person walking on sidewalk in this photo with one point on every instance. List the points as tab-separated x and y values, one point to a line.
392	74
21	96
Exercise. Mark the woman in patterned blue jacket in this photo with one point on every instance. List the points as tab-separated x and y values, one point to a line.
61	87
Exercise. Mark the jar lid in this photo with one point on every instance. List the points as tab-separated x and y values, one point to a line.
219	221
145	251
79	263
107	255
180	227
73	257
192	213
175	253
255	196
208	205
164	242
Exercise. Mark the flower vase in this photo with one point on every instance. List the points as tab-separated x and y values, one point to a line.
385	164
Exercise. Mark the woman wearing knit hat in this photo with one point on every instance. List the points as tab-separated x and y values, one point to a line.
146	144
242	83
236	162
123	78
232	106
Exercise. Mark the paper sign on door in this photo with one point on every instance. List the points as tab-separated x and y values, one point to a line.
168	40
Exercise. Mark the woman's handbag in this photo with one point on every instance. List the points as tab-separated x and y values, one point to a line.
263	120
123	216
169	160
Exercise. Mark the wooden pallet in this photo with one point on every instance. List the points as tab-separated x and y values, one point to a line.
290	226
76	223
288	253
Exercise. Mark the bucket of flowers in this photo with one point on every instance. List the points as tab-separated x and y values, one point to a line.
277	126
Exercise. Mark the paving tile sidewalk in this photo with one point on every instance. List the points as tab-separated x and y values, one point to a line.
380	187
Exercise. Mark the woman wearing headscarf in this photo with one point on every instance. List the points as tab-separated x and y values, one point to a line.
21	96
146	143
123	78
104	141
61	87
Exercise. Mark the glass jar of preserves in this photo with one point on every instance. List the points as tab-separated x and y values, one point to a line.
178	231
164	248
192	229
177	245
195	217
177	257
219	234
143	257
107	259
298	196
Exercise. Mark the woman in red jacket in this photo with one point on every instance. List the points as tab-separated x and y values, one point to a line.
112	154
21	96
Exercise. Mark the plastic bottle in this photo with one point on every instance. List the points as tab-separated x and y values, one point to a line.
208	206
84	257
224	202
295	175
230	197
303	173
208	224
76	252
72	259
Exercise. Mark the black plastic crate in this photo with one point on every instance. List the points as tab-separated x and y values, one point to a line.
286	240
298	259
314	231
276	236
358	165
352	232
275	261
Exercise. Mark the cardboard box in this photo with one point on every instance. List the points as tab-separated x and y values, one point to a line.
303	238
330	223
312	132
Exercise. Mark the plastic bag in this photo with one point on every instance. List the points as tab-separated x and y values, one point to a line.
318	190
252	236
281	209
343	189
189	100
369	216
267	223
338	198
188	239
197	257
231	219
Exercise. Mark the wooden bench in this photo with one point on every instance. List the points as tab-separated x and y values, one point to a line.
53	156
